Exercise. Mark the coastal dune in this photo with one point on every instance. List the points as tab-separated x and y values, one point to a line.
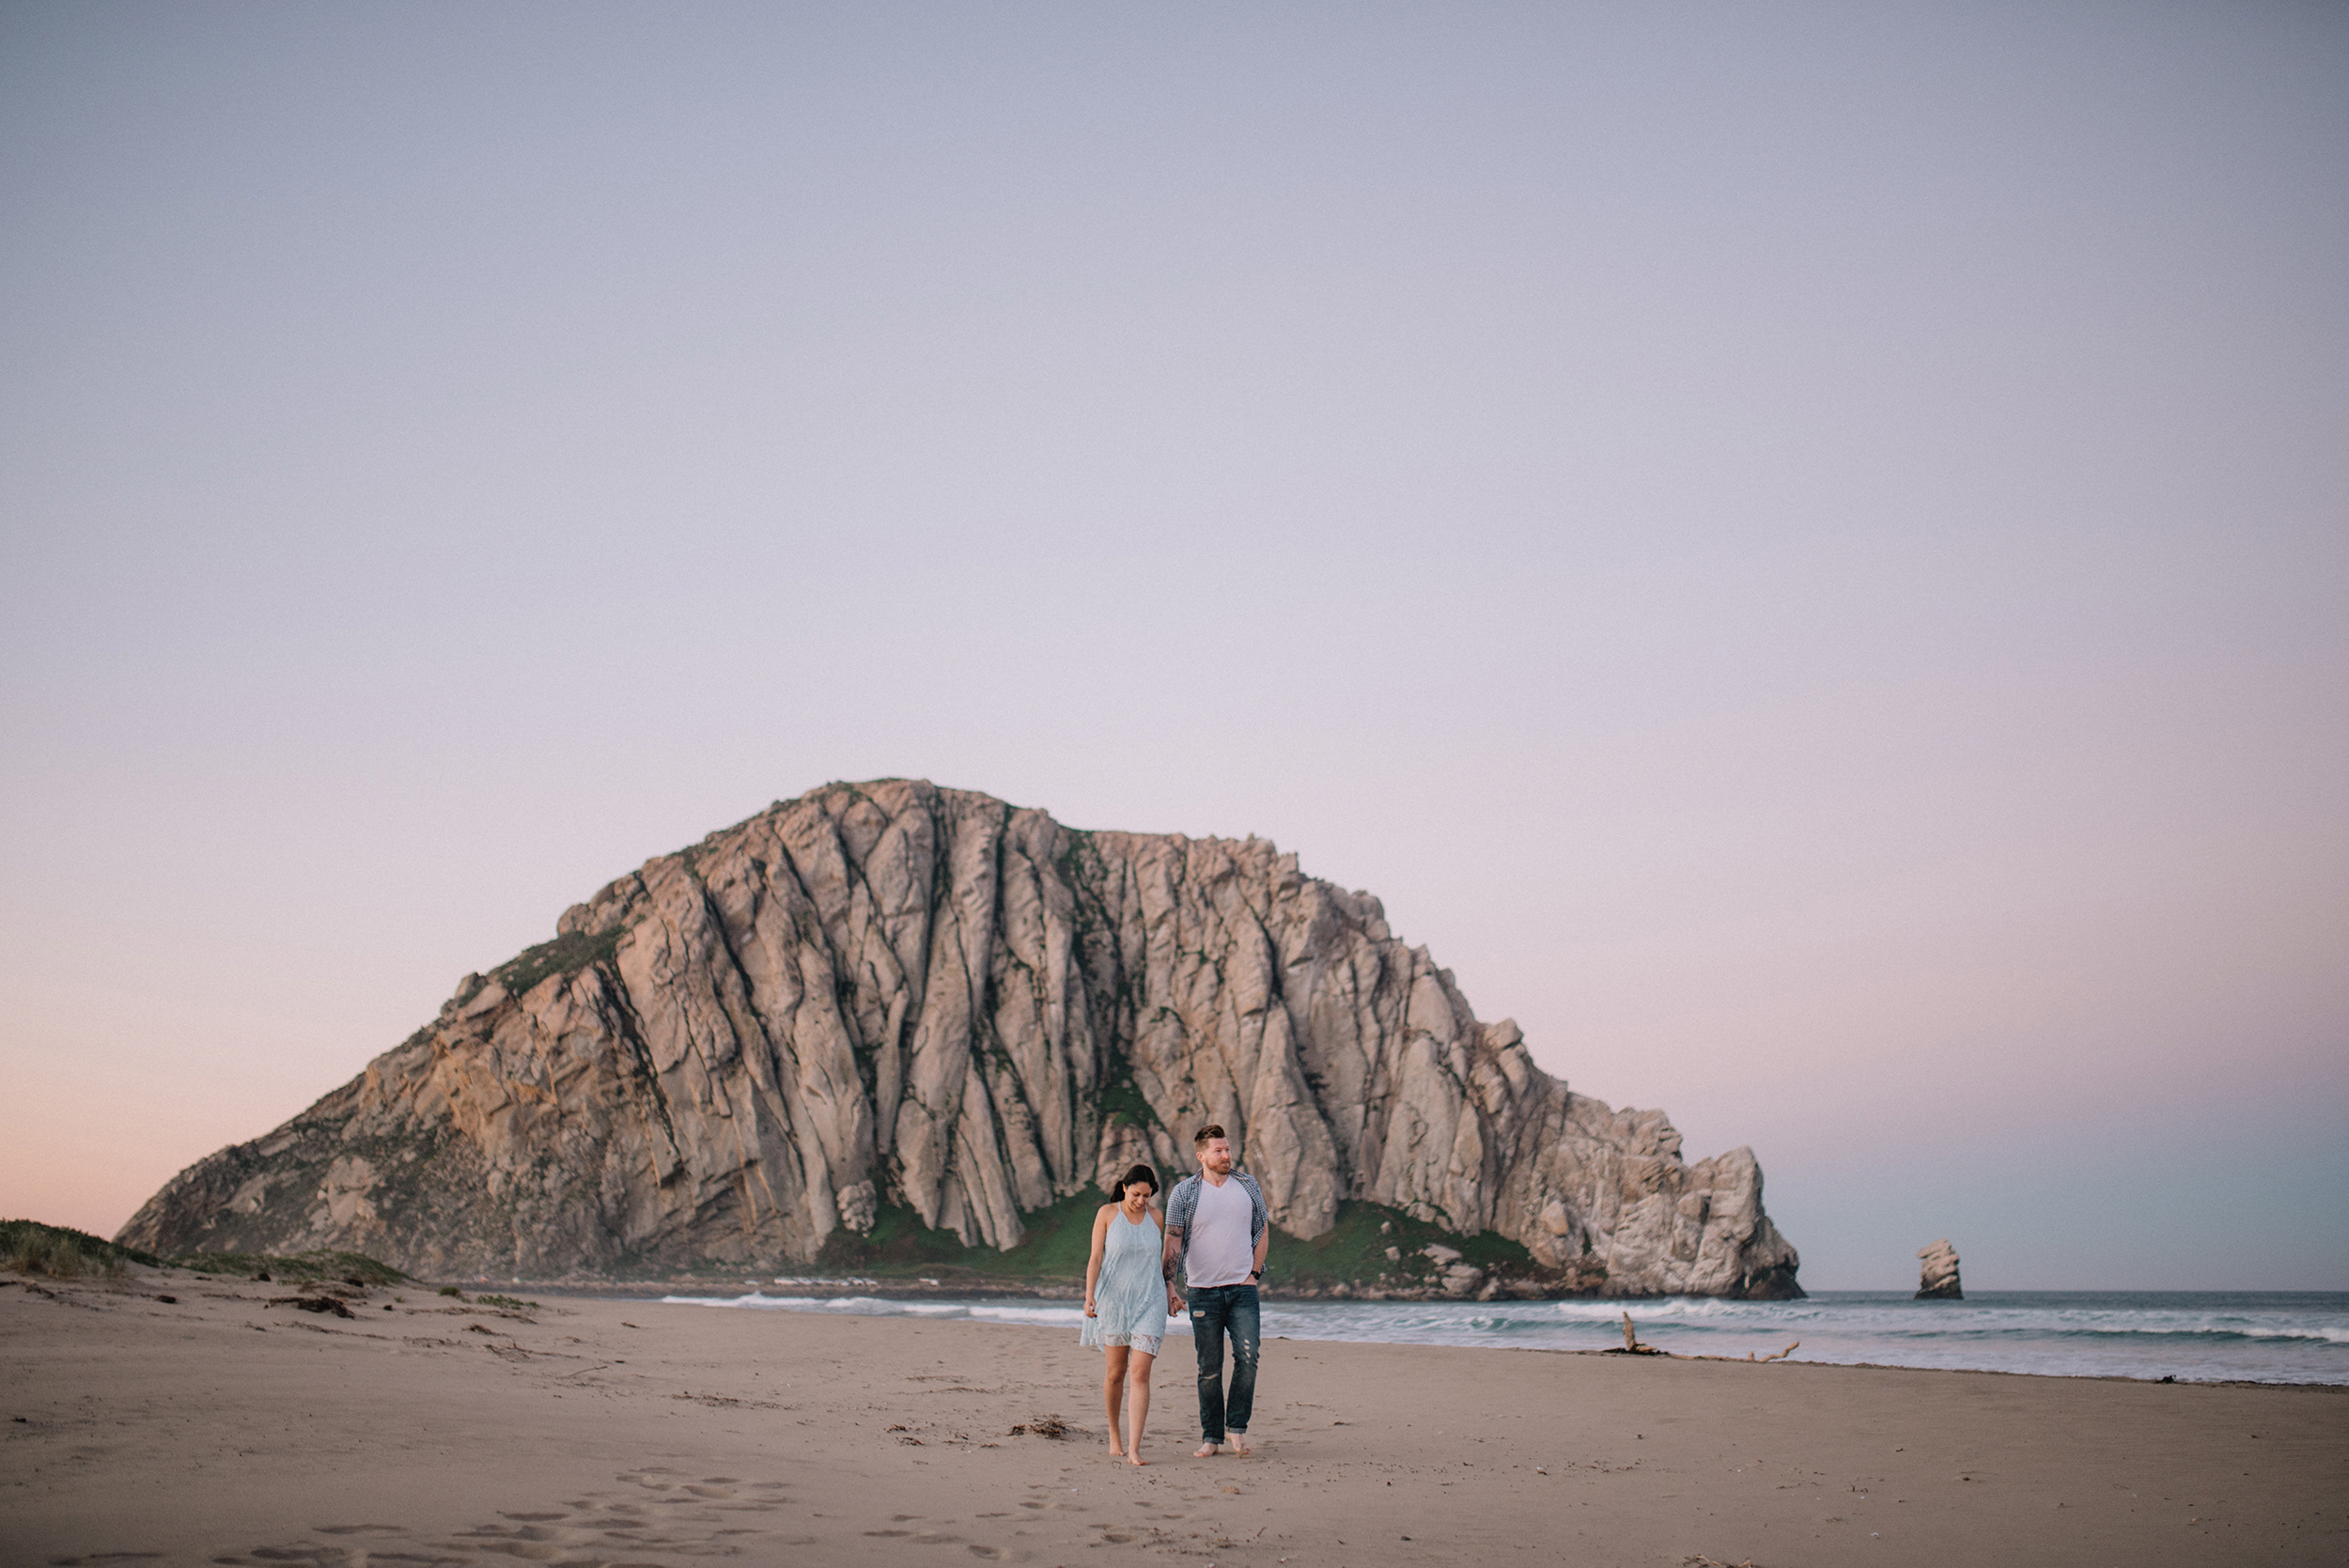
219	1428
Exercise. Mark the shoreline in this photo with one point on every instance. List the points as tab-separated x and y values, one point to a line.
894	1288
1656	1353
1815	1332
2246	1338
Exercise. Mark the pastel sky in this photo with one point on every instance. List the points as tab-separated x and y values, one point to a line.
1802	549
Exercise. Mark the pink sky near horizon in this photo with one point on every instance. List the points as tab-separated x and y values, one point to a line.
1804	554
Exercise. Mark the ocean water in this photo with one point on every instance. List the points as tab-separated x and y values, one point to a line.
2194	1336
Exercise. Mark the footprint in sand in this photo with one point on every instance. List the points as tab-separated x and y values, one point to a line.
320	1554
600	1531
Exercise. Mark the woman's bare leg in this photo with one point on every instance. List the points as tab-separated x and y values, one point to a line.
1138	1405
1113	1391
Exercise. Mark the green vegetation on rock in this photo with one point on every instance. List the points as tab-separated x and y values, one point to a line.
567	954
1354	1252
1123	1101
1058	1241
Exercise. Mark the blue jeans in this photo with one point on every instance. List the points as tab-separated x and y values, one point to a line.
1215	1311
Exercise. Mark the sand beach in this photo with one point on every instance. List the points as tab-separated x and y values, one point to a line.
218	1428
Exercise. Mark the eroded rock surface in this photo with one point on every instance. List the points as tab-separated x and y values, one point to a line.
893	993
1938	1278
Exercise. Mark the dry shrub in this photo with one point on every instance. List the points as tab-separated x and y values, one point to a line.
302	1269
29	1247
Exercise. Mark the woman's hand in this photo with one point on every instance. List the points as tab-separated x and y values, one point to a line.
1089	1311
1173	1305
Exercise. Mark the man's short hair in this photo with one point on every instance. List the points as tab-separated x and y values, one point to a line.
1207	1135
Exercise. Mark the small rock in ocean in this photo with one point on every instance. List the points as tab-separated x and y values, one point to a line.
1939	1280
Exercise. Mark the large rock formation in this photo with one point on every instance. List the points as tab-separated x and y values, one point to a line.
893	993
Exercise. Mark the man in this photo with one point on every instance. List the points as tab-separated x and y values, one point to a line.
1216	1230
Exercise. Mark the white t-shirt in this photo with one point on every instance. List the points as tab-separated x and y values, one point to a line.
1223	1242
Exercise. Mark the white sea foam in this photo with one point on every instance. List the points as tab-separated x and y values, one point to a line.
873	1306
2301	1338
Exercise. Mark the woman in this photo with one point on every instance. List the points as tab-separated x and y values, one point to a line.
1127	1301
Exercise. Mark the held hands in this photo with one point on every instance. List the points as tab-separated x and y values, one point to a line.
1173	1304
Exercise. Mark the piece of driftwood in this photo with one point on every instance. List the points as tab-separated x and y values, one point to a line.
1632	1346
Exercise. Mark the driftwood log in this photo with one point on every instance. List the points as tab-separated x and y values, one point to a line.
1633	1346
1631	1340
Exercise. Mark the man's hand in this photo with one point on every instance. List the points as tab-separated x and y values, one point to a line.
1174	1307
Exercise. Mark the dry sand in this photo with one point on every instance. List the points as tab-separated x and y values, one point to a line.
222	1430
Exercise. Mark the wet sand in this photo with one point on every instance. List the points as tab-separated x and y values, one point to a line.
222	1430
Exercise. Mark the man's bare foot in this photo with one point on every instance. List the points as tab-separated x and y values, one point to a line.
1239	1444
1206	1450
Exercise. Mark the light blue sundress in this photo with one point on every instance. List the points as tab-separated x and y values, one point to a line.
1131	1296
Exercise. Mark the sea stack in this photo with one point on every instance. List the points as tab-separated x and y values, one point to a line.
895	997
1939	1280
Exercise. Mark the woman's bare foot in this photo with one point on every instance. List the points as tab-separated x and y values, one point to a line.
1206	1450
1136	1458
1115	1450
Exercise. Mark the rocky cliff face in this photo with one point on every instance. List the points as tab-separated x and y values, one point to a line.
893	993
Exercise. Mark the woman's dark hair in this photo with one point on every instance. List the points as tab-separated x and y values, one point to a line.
1138	1173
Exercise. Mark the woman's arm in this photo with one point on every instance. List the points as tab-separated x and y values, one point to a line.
1093	1266
1172	1250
